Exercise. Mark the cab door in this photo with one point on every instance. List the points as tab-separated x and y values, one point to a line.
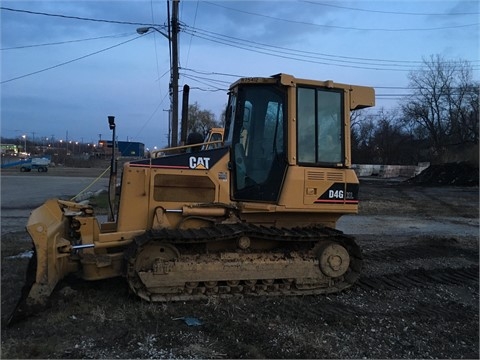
259	143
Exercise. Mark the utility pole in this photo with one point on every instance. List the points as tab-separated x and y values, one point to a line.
174	79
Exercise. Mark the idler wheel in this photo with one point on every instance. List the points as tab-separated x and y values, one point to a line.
243	242
156	257
334	259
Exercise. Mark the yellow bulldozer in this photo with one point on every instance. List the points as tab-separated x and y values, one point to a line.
254	215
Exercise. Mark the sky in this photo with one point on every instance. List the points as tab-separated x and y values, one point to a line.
68	65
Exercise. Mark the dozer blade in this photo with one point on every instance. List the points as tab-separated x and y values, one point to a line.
49	263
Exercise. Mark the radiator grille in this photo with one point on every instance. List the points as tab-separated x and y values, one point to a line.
326	175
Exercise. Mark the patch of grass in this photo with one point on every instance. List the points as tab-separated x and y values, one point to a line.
100	203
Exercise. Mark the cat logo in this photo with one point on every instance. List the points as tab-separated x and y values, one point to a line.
199	163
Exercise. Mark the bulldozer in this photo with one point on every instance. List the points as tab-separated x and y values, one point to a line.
253	215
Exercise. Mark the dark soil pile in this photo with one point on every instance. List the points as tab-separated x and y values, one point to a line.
458	174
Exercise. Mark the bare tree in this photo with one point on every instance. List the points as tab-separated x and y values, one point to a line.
199	120
382	138
444	102
362	126
464	112
393	143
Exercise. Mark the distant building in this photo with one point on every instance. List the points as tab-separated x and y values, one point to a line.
9	149
124	148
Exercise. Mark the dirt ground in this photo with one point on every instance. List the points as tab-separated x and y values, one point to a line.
417	298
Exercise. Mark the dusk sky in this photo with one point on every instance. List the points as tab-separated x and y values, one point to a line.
67	65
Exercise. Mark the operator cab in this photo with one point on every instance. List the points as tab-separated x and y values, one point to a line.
257	127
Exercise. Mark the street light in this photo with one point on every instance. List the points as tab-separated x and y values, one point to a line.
24	143
144	30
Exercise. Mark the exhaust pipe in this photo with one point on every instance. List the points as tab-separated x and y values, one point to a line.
113	173
186	94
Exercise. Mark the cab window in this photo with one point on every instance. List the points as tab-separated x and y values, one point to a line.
320	127
259	143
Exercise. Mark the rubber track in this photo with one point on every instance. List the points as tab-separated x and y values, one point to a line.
224	232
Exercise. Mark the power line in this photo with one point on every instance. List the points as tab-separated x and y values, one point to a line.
236	76
190	43
296	51
305	56
344	59
214	73
78	17
68	62
343	27
208	81
286	55
391	12
65	42
211	89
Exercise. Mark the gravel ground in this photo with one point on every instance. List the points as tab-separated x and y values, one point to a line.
417	298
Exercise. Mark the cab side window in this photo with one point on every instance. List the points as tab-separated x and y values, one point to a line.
320	127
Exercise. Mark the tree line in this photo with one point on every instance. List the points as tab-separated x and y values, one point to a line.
440	115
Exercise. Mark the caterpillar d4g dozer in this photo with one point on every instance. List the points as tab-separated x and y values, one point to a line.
255	215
